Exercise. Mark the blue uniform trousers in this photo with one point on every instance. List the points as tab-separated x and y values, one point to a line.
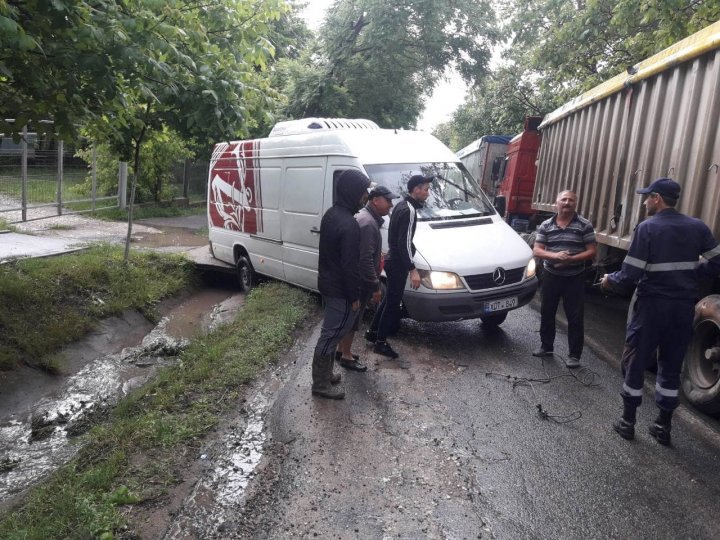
663	325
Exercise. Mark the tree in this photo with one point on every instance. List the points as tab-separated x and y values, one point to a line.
380	59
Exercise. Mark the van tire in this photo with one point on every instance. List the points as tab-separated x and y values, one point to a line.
700	376
496	319
245	274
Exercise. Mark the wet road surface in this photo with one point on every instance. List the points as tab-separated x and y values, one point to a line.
456	447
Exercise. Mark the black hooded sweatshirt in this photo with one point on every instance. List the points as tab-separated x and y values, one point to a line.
338	265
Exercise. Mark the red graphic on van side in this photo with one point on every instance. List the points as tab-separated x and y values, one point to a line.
235	195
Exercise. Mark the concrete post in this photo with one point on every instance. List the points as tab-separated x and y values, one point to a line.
23	174
60	150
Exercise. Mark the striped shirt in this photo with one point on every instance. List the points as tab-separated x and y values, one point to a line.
574	238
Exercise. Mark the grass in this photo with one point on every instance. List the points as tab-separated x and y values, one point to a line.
42	183
131	458
140	212
48	303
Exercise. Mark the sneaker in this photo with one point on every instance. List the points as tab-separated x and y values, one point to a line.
371	335
660	433
542	351
572	362
625	429
384	348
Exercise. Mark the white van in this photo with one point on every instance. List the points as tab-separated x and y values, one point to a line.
266	198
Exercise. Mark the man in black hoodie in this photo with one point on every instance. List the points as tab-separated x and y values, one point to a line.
338	277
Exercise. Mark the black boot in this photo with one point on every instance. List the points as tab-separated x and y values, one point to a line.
322	376
660	429
626	425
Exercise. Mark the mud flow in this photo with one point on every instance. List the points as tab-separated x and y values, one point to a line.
41	414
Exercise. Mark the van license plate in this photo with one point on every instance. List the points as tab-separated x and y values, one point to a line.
501	304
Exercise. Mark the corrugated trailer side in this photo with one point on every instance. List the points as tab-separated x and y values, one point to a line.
661	118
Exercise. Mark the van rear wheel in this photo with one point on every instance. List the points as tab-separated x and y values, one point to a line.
495	319
246	274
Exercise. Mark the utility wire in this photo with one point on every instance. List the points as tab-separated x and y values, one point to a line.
583	375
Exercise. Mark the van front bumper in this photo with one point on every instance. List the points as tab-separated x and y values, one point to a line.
434	306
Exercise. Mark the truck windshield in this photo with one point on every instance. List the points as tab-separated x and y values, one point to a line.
454	194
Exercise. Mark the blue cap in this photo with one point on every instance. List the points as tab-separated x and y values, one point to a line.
662	186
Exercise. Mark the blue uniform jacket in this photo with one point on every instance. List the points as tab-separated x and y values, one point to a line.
664	257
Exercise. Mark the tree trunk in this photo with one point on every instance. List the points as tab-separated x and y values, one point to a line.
136	175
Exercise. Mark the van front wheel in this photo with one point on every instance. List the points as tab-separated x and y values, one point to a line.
245	273
495	319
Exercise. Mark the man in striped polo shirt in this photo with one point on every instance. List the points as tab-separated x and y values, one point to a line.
564	243
664	263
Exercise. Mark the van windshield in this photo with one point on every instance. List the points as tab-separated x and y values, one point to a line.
454	194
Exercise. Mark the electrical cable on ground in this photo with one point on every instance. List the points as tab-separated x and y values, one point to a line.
583	375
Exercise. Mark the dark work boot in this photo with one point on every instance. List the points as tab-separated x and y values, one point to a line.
626	425
322	375
660	428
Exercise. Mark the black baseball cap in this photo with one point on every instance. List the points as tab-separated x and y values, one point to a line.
416	180
382	191
662	186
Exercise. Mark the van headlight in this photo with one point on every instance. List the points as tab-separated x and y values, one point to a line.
440	280
530	269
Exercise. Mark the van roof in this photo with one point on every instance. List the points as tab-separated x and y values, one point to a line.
370	146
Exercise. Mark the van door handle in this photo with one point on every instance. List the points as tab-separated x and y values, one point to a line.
315	230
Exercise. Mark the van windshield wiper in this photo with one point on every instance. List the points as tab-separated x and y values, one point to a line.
465	191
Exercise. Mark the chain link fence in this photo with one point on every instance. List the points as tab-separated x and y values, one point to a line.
43	177
189	181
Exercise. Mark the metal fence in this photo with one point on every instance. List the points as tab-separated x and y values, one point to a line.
189	181
42	177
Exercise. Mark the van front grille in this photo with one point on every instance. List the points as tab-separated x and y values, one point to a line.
485	281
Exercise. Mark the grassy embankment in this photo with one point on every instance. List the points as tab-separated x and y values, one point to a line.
47	303
133	457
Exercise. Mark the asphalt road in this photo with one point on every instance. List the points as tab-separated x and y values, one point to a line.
477	439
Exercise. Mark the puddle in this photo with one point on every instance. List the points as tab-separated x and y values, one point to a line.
37	428
216	498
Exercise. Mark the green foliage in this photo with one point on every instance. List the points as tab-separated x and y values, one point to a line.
558	49
157	424
47	303
161	151
380	59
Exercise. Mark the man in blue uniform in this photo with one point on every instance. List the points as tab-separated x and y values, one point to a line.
664	263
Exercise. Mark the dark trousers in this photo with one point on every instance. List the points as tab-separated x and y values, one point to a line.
387	315
571	289
338	321
662	326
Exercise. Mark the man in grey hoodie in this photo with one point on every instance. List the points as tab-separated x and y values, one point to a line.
370	219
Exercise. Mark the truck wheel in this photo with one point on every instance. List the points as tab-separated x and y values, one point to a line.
496	319
701	369
246	274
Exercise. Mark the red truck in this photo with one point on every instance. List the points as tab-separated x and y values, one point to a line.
517	173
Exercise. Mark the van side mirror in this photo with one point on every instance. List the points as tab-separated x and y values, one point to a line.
500	205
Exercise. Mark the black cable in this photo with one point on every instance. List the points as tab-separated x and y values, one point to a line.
584	376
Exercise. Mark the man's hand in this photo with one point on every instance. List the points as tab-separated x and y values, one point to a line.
562	256
377	297
604	283
414	279
356	305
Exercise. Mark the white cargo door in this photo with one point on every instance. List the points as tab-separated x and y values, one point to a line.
303	189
